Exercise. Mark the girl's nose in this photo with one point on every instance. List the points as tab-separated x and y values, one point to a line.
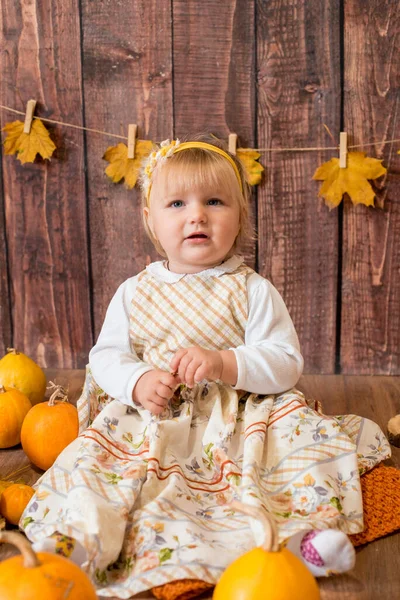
197	214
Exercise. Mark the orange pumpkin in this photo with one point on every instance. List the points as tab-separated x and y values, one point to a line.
266	572
14	500
41	576
14	406
48	428
22	373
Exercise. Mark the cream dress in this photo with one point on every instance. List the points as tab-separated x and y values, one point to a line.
148	497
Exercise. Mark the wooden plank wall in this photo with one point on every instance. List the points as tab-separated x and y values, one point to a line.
370	323
298	64
5	315
127	65
274	72
45	204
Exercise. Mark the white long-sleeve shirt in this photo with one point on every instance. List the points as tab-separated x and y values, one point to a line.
268	362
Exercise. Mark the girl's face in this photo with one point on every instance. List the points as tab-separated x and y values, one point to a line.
196	227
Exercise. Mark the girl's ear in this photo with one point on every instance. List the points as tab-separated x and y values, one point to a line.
148	219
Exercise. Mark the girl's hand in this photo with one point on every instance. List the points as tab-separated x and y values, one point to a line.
194	364
154	389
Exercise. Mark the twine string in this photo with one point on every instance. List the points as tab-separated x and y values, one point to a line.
122	137
20	112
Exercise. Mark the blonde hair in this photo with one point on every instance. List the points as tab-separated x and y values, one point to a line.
198	167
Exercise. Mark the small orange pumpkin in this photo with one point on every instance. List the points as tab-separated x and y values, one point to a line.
266	572
14	500
41	576
48	428
14	406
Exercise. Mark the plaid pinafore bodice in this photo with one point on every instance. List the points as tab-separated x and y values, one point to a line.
197	310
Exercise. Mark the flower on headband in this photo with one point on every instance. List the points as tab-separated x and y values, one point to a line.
166	150
167	147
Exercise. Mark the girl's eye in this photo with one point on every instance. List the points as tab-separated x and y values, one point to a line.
176	203
214	201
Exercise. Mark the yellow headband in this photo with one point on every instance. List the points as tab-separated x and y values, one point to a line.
169	148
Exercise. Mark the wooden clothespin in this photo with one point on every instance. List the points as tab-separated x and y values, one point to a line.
30	109
343	150
132	132
232	143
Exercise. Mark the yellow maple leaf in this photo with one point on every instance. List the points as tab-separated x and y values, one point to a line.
122	167
27	145
253	168
352	180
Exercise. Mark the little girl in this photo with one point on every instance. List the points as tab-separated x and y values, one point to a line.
189	402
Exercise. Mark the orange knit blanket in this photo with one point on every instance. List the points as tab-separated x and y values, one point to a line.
381	502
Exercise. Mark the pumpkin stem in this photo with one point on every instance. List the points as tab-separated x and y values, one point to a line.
16	539
12	351
2	389
59	392
270	543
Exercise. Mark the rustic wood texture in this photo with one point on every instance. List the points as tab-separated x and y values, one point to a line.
213	56
378	398
5	313
127	79
370	328
45	202
273	73
298	67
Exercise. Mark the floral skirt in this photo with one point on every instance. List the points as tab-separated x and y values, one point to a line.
148	497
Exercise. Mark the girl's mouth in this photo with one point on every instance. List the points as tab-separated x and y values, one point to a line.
197	238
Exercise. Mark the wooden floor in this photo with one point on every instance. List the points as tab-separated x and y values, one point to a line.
377	571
